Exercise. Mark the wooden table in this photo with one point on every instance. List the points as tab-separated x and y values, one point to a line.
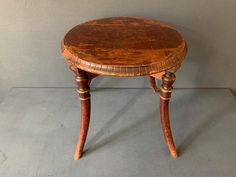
124	47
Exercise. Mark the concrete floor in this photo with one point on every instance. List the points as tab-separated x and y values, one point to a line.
38	132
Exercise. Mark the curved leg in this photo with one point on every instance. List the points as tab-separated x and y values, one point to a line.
90	77
153	83
165	93
82	81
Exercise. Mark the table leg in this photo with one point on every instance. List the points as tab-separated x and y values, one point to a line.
165	93
153	83
83	82
90	77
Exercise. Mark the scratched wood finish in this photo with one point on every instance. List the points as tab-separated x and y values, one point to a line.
123	46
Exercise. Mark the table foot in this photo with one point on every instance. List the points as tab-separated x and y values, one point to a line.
165	93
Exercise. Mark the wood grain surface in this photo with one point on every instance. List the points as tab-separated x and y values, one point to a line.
123	46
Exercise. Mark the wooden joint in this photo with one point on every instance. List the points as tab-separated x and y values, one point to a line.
84	94
80	79
83	86
166	90
82	91
164	98
82	99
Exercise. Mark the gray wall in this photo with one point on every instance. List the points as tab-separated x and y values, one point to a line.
31	31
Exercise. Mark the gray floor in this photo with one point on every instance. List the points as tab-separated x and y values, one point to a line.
38	131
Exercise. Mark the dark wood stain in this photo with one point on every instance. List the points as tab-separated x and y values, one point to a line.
124	46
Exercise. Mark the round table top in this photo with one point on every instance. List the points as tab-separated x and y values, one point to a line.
123	46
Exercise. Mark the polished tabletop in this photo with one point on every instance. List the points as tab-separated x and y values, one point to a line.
123	46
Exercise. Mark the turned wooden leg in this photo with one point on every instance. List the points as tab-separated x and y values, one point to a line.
165	93
82	81
153	83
